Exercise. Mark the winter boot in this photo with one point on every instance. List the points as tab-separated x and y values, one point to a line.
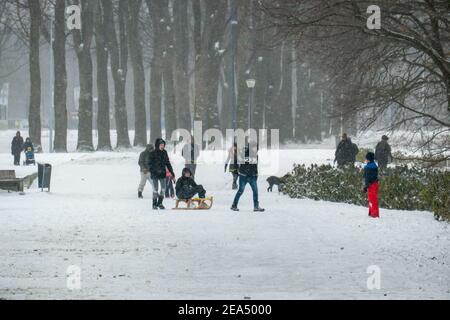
258	209
140	195
234	208
155	204
160	201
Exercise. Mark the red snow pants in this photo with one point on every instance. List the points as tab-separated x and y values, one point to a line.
372	195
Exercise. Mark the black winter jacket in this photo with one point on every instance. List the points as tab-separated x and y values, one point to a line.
158	162
185	187
16	145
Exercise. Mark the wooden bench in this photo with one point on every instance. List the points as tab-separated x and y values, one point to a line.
9	182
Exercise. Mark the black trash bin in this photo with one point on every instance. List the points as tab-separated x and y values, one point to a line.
44	176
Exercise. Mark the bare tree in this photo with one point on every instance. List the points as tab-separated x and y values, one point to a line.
102	57
134	41
34	116
118	49
83	41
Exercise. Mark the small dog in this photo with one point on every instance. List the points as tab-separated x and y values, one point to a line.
277	181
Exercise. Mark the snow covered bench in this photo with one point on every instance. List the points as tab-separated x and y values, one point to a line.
9	182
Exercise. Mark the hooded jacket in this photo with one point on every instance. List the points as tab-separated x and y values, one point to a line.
159	161
185	186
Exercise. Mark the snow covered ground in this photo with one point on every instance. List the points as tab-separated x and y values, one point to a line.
298	249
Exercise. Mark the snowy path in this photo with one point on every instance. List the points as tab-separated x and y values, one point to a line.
297	249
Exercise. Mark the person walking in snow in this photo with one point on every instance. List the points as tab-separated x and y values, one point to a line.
190	153
186	187
234	166
372	184
158	163
17	148
145	168
346	152
383	153
248	174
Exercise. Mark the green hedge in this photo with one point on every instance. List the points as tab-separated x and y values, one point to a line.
401	188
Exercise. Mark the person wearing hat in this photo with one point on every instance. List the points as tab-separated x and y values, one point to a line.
158	163
145	168
383	153
346	152
372	184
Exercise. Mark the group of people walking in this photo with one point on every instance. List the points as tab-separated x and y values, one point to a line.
155	167
18	146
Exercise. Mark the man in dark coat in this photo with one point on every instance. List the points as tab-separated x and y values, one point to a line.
383	153
186	188
248	173
346	152
144	159
17	148
158	163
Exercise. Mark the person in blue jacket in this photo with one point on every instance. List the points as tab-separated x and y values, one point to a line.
371	186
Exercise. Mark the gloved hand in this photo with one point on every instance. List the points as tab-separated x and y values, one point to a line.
365	189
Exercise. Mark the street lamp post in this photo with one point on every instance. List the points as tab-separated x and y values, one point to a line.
251	83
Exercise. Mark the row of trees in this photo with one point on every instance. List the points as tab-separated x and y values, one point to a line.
399	72
199	54
319	69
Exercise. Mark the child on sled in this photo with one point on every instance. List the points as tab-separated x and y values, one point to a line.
186	188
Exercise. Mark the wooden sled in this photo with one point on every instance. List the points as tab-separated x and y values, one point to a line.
194	204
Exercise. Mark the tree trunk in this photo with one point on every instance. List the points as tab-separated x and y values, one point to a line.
83	41
119	59
208	64
170	111
60	78
134	41
156	12
34	117
102	55
182	65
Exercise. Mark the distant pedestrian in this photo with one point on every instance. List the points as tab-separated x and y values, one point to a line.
372	184
248	174
17	146
383	153
346	152
145	168
191	153
232	160
158	163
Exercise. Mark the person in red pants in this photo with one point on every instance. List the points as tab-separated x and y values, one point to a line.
372	184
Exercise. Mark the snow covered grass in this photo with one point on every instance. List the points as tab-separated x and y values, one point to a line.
298	249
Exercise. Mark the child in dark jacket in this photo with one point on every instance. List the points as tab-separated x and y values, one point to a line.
186	188
372	185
